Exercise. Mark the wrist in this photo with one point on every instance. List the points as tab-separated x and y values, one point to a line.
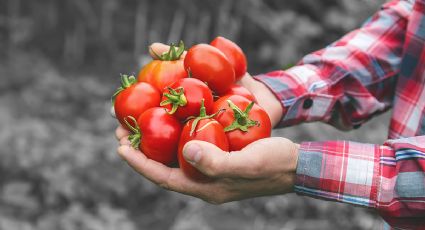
293	164
267	100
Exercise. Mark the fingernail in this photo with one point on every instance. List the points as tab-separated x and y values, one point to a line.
192	153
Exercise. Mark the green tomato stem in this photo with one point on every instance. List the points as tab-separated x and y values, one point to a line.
173	54
202	115
136	134
241	118
126	82
175	97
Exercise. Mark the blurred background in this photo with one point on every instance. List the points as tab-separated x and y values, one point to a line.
60	61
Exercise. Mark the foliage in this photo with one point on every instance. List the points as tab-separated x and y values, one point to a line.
100	32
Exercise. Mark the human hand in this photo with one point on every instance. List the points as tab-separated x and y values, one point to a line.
265	167
265	98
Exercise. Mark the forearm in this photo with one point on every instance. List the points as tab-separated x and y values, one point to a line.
349	81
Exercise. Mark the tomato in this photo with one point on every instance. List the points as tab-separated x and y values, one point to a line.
133	98
209	65
241	91
183	98
203	128
234	53
243	120
166	70
157	135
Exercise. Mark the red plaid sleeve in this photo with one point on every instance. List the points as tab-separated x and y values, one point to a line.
349	81
389	178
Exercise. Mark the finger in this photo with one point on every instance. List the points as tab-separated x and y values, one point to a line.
125	141
207	158
156	49
112	112
121	132
159	48
245	80
168	178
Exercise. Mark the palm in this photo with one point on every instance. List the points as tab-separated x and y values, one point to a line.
264	167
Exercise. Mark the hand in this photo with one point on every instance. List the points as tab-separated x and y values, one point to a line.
265	167
265	98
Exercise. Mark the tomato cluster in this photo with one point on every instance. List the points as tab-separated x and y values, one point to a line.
175	100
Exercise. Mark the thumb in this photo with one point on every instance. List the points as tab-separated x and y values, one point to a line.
206	157
160	48
157	49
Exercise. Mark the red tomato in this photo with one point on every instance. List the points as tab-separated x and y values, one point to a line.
183	98
234	53
209	65
241	91
203	128
157	135
243	120
166	70
133	98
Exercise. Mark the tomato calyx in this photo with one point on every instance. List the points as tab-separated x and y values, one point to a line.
242	120
136	134
175	97
202	115
126	82
173	54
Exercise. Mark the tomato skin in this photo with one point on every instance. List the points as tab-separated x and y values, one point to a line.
194	91
208	130
135	100
238	139
161	74
241	91
210	65
160	133
234	53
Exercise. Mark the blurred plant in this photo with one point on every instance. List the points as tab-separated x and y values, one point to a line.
86	33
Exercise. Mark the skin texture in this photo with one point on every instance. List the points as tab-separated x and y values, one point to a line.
135	100
264	167
235	176
194	91
233	53
209	65
238	139
240	90
208	130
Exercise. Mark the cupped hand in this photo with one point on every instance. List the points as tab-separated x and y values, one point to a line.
265	167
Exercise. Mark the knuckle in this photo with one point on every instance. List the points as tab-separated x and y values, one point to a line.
214	200
212	197
165	184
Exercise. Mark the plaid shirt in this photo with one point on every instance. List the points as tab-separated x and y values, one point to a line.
371	69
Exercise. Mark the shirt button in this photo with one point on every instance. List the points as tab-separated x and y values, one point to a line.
356	126
307	103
